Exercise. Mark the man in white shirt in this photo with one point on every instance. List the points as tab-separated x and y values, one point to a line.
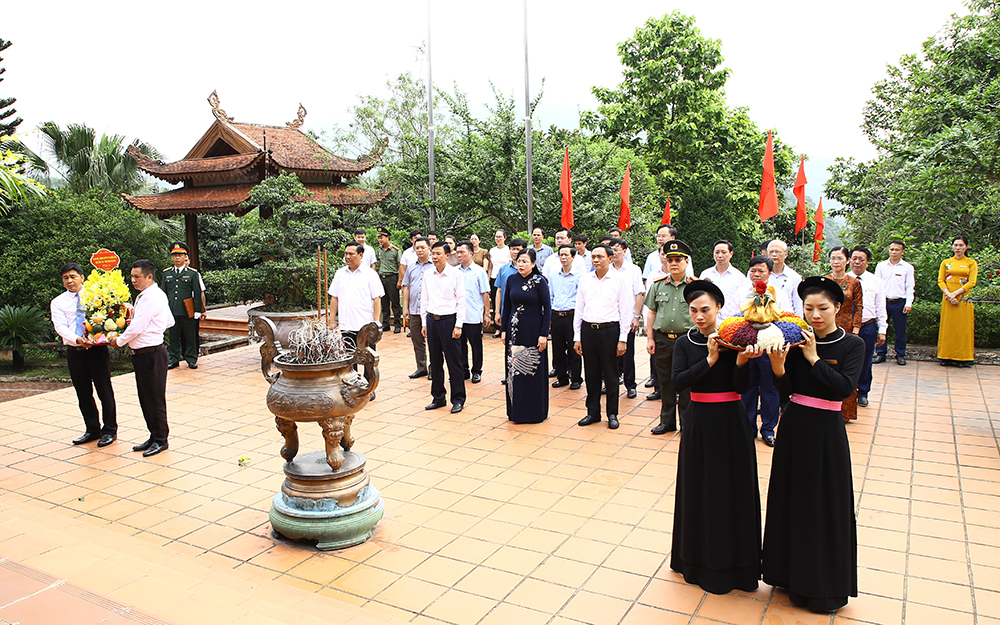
563	237
580	243
355	295
761	379
733	283
442	307
144	335
633	276
897	276
360	236
477	311
604	312
874	322
408	257
664	233
783	276
89	365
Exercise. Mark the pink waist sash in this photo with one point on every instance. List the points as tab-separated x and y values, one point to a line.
715	398
815	402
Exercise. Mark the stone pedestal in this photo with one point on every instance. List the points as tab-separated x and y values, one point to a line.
337	509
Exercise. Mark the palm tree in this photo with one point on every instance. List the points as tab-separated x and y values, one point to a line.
88	162
15	185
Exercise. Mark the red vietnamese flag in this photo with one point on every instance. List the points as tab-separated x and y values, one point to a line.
624	217
666	213
799	190
820	223
768	190
565	186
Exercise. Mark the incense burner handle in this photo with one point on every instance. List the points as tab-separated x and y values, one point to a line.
367	357
264	327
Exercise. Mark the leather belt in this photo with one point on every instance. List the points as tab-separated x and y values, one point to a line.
146	350
669	335
563	313
602	325
895	299
388	275
440	317
870	321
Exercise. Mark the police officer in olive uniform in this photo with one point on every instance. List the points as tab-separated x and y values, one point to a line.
182	283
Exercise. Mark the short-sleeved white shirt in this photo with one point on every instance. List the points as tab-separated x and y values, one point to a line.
355	292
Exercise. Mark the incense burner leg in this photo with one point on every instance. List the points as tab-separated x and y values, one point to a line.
347	441
333	434
289	431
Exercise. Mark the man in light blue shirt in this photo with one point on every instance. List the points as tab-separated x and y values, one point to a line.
562	291
477	306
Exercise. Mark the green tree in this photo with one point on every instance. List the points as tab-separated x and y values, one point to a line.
8	126
671	109
47	232
706	214
87	161
274	259
934	120
15	186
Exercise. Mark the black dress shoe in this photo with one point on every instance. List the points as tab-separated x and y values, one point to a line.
435	404
396	330
631	393
192	365
604	390
878	359
173	365
106	439
621	379
588	420
553	373
467	375
649	383
155	448
504	381
477	378
456	408
862	401
385	328
559	384
612	422
575	386
86	438
418	374
143	446
768	439
653	396
900	360
663	428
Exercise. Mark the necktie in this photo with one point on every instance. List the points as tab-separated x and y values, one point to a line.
79	316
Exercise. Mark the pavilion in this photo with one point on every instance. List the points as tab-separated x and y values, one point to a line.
231	158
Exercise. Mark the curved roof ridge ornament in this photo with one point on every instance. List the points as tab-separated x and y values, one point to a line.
218	112
377	151
299	120
140	158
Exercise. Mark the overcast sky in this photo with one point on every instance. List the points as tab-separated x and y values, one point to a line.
145	69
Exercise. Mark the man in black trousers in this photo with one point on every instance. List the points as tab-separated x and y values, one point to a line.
442	307
89	365
144	336
180	284
601	323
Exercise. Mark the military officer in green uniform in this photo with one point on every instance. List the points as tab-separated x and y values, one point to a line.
669	319
180	283
388	260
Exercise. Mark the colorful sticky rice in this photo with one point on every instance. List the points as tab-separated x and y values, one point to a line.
761	324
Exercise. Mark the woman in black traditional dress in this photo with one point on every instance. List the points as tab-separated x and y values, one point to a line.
810	534
716	539
526	314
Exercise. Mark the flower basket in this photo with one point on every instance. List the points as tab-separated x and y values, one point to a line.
108	309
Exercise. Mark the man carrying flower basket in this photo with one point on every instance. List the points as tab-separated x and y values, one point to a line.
89	364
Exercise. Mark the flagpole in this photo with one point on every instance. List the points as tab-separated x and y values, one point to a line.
430	124
527	120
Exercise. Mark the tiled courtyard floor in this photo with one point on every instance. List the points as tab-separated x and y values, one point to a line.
486	521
